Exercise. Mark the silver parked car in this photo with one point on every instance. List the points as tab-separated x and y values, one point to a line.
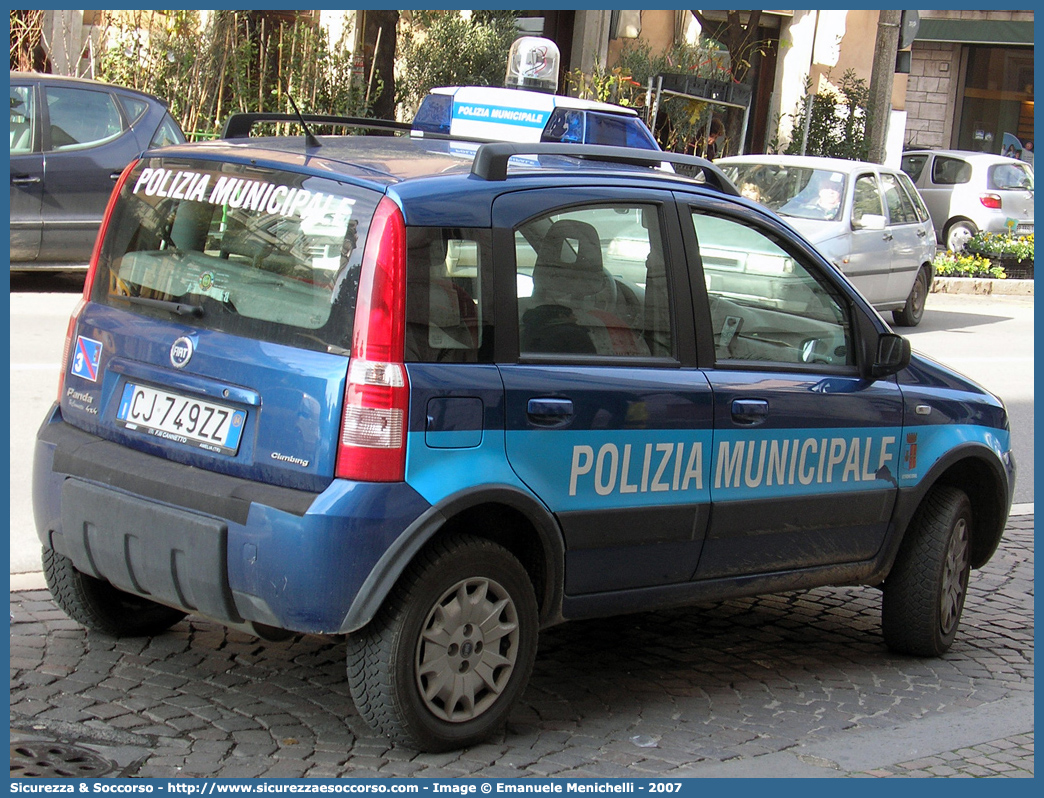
866	219
969	192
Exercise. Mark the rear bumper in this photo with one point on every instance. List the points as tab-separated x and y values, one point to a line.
227	548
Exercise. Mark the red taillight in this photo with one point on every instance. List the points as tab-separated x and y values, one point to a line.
991	201
376	402
88	281
69	332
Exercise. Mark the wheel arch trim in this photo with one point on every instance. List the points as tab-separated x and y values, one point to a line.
948	470
391	565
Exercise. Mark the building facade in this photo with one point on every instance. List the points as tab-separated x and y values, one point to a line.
971	80
969	86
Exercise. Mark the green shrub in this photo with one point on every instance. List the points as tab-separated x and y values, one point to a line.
445	48
964	264
236	61
837	128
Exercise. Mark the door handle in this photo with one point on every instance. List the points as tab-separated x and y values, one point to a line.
887	236
922	233
749	412
549	412
25	180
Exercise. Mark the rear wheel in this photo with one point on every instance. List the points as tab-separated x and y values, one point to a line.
99	606
924	593
913	311
958	234
449	654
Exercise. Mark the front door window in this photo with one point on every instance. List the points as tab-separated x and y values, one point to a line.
765	305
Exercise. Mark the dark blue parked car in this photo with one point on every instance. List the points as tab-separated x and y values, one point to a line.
70	139
437	397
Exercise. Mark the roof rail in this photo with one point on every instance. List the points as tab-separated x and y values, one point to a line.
491	159
238	126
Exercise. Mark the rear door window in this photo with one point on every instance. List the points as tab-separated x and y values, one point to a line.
80	118
950	171
592	281
901	209
915	197
256	252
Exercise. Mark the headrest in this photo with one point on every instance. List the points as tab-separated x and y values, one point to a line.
570	242
569	261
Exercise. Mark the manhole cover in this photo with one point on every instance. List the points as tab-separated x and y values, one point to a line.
44	760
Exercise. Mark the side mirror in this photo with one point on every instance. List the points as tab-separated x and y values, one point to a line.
869	221
893	355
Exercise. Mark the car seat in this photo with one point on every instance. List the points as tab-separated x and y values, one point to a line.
571	310
21	133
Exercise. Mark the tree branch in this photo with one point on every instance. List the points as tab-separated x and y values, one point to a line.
738	37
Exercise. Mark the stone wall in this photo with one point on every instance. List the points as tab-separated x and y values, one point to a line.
931	94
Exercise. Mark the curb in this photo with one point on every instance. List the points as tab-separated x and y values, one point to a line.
981	286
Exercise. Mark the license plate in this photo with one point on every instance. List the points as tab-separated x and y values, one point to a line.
173	417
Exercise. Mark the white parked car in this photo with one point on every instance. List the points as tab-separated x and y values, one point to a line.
971	192
866	219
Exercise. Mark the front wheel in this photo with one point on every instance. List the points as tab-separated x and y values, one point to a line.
448	655
913	311
924	593
99	606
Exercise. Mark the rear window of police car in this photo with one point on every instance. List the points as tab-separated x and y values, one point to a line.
250	251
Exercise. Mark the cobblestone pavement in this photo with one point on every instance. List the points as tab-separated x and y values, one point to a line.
791	684
1011	757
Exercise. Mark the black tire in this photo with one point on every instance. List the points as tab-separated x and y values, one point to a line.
924	593
398	673
912	312
957	235
101	607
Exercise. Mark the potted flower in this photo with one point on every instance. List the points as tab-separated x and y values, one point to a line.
1013	253
966	264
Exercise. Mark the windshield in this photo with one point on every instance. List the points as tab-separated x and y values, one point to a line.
255	252
797	191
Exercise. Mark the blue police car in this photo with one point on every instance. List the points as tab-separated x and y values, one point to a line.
437	396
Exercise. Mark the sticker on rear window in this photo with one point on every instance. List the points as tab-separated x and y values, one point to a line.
254	195
86	358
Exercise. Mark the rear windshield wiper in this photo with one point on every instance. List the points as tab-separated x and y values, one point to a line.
180	308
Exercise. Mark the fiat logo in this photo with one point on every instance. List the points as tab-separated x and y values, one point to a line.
181	352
